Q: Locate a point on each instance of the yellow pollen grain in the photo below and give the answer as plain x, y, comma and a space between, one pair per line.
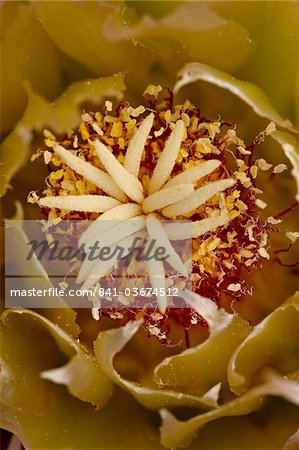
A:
159, 132
121, 143
263, 165
213, 245
243, 178
99, 118
185, 119
117, 130
153, 90
168, 116
193, 124
131, 125
204, 146
108, 105
241, 205
49, 143
135, 112
84, 132
75, 143
110, 119
47, 134
80, 185
253, 171
121, 158
47, 156
228, 264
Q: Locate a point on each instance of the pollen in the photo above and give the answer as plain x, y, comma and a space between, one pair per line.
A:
159, 162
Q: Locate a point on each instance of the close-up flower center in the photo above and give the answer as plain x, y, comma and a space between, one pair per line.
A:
165, 162
150, 181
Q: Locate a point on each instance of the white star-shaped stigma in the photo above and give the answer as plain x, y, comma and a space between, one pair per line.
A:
166, 197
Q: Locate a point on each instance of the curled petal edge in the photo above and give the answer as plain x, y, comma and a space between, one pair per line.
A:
176, 433
61, 115
264, 347
254, 97
109, 343
81, 375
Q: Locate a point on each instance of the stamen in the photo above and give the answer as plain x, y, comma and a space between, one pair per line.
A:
197, 198
136, 146
93, 174
125, 180
167, 158
166, 197
84, 203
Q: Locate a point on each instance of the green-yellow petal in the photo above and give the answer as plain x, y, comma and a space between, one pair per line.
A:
273, 64
27, 53
190, 32
109, 343
44, 415
273, 342
77, 28
81, 374
59, 116
64, 317
248, 92
180, 433
199, 368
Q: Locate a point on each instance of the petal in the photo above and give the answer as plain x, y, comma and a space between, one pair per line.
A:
85, 40
248, 92
275, 27
271, 342
192, 31
61, 115
290, 147
200, 368
44, 414
178, 433
23, 35
64, 317
111, 342
81, 375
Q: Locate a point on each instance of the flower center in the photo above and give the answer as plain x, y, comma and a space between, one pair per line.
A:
164, 162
